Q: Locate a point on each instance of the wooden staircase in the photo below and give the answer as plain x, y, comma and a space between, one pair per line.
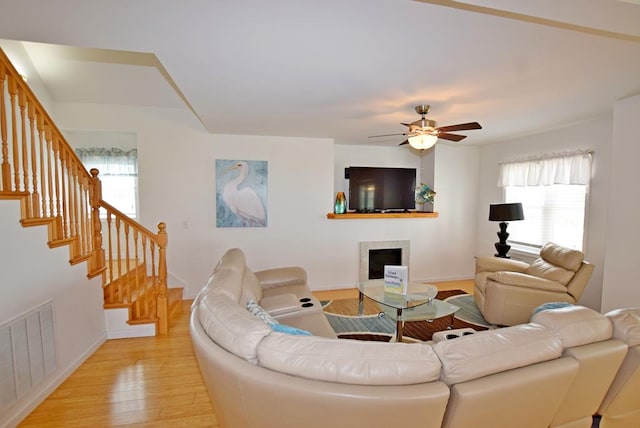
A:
39, 169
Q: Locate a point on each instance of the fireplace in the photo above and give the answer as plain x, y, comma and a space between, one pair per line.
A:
375, 254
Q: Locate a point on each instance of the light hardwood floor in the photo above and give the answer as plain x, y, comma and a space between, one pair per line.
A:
145, 382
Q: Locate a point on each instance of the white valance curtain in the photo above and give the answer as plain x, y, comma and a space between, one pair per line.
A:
113, 161
562, 168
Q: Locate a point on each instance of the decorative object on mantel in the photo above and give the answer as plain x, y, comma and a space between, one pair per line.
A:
424, 194
340, 206
504, 213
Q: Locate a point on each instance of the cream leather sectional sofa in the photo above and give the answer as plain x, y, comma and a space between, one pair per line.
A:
558, 370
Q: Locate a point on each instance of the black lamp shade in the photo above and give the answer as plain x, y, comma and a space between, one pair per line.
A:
506, 212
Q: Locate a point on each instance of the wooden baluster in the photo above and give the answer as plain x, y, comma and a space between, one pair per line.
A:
43, 182
56, 174
163, 303
110, 261
139, 291
118, 261
95, 196
47, 136
35, 195
73, 200
13, 91
64, 178
22, 103
6, 167
148, 285
55, 196
127, 261
82, 213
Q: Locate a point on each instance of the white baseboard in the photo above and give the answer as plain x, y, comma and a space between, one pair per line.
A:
26, 405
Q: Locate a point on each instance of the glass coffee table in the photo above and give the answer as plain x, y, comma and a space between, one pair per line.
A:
419, 304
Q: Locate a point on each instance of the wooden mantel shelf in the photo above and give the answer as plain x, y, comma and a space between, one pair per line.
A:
412, 214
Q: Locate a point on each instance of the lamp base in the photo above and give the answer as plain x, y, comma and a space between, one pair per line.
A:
502, 247
502, 250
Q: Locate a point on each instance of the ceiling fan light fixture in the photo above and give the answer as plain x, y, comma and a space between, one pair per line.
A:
422, 141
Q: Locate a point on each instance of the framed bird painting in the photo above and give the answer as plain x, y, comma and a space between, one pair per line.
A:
241, 193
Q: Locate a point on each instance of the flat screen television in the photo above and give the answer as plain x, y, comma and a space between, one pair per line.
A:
375, 189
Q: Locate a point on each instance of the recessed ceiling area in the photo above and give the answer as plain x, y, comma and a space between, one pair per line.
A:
341, 70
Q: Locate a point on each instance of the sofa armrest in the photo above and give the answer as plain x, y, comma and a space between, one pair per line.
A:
527, 281
279, 277
497, 264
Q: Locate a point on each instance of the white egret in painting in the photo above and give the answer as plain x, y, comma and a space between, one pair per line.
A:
243, 202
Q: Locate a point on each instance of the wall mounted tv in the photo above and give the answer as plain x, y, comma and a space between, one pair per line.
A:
376, 189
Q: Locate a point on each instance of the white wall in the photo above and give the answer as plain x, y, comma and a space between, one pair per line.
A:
33, 274
622, 270
594, 134
22, 62
176, 179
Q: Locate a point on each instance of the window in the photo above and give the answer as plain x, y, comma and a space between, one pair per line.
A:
552, 213
553, 192
118, 173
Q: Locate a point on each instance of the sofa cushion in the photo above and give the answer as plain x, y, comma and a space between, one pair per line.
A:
564, 257
349, 361
231, 326
550, 305
626, 325
575, 325
496, 351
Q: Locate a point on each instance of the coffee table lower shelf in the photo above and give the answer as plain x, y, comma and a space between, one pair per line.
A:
435, 309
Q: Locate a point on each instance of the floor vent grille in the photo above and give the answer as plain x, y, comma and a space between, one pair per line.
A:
27, 353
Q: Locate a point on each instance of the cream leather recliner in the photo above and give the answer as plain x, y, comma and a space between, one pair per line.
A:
507, 291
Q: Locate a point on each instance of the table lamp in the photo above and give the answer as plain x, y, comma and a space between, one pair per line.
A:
504, 213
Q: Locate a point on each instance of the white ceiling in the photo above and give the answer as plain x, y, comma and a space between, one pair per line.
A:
343, 69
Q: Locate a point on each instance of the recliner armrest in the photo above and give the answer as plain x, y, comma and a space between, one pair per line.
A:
279, 277
528, 281
497, 264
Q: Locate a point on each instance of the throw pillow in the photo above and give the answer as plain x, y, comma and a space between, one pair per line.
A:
550, 305
260, 313
283, 328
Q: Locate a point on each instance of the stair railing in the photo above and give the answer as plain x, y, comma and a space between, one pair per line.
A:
39, 168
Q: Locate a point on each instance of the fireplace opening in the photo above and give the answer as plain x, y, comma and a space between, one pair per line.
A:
381, 257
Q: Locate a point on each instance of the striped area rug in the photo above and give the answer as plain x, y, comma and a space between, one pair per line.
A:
343, 317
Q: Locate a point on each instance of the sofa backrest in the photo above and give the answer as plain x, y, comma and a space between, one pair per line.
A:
350, 361
586, 337
495, 351
556, 263
511, 376
231, 326
622, 401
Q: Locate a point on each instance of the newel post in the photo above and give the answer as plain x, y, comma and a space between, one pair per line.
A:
97, 261
163, 300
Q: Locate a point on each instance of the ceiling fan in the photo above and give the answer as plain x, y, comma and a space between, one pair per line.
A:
423, 133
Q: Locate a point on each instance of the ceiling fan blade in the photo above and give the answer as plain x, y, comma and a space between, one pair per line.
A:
451, 137
460, 127
385, 135
404, 142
